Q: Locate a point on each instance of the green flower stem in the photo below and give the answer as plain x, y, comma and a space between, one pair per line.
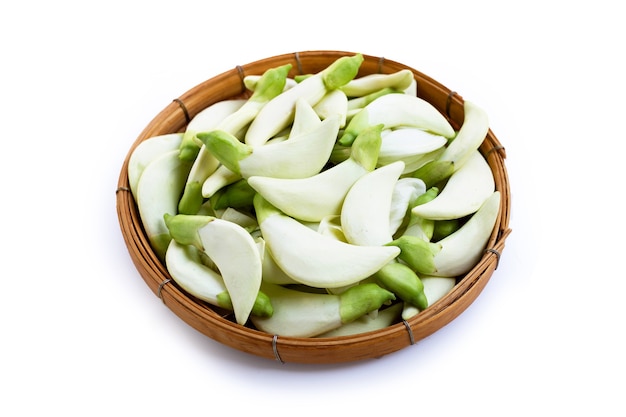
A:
366, 147
434, 172
341, 71
416, 252
262, 305
226, 148
184, 228
236, 195
361, 299
404, 282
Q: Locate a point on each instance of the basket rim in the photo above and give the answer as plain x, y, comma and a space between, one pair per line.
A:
204, 318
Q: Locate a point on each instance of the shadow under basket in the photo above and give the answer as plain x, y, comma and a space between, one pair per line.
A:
218, 324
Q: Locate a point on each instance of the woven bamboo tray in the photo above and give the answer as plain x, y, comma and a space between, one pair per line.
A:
217, 324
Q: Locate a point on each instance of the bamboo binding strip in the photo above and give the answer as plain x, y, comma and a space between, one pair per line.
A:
217, 324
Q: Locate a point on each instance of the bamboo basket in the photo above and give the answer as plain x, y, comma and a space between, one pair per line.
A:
219, 325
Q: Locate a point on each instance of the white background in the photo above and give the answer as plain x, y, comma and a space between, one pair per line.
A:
83, 335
